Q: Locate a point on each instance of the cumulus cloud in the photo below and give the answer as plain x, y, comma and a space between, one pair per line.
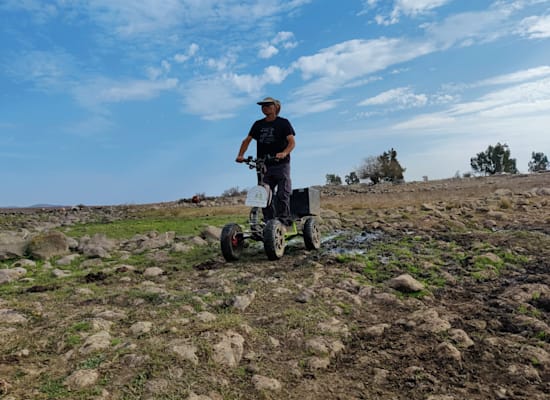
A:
536, 27
350, 63
230, 91
282, 39
267, 50
355, 58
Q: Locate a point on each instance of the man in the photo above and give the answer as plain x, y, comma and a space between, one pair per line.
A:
274, 137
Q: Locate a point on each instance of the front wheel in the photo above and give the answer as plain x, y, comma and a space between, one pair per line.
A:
232, 242
312, 235
274, 239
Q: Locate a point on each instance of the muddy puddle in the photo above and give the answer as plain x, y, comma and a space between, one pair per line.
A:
349, 242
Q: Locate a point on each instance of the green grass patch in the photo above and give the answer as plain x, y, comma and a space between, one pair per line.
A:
126, 229
53, 388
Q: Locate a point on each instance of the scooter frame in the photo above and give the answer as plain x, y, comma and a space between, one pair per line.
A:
272, 233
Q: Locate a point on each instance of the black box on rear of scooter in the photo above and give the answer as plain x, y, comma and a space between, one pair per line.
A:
306, 201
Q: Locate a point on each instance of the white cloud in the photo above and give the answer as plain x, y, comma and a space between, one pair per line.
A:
403, 97
536, 27
285, 39
468, 28
191, 51
516, 77
409, 8
267, 50
520, 99
47, 70
513, 103
282, 39
347, 63
417, 7
227, 91
102, 91
156, 72
355, 58
128, 18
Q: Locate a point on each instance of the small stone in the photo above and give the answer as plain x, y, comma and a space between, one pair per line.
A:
376, 330
406, 283
82, 378
206, 316
152, 272
448, 351
318, 362
461, 338
96, 342
8, 316
264, 383
229, 350
305, 296
139, 328
241, 303
187, 352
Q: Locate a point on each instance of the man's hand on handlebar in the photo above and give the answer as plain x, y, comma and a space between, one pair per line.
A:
240, 159
280, 155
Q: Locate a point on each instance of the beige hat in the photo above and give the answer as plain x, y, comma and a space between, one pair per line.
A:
269, 100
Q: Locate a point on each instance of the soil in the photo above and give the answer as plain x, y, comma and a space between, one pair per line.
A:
326, 324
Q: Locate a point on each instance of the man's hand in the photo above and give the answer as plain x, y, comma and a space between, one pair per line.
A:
239, 159
281, 155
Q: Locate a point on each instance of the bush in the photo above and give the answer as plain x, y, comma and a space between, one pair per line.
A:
333, 179
233, 192
384, 167
352, 178
495, 160
539, 162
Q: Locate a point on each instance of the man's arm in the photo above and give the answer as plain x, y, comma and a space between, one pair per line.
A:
244, 147
290, 146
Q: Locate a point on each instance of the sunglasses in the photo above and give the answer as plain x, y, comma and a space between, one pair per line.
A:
267, 104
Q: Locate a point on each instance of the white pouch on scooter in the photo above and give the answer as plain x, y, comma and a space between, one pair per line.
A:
258, 196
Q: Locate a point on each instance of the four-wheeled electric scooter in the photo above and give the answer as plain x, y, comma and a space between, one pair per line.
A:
304, 206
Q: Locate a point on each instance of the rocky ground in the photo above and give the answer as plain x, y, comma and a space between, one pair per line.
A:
435, 290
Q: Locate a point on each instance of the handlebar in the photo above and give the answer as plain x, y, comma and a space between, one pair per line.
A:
259, 162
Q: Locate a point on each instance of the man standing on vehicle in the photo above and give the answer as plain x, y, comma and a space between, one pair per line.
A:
274, 137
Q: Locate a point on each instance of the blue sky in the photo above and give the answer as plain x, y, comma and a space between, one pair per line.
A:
125, 102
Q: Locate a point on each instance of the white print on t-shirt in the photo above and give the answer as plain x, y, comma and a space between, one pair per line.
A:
267, 135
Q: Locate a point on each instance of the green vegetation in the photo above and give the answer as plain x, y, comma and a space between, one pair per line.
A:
496, 159
384, 167
125, 229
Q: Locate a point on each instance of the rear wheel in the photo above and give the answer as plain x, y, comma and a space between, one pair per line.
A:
312, 234
274, 239
232, 242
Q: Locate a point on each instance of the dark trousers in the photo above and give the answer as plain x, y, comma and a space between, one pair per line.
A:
278, 176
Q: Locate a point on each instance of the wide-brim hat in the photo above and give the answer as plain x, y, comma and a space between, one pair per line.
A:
269, 100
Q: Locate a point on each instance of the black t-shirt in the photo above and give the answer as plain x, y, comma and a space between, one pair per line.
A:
271, 136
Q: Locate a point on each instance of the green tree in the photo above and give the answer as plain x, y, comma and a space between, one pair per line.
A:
496, 159
333, 179
539, 162
352, 178
384, 167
